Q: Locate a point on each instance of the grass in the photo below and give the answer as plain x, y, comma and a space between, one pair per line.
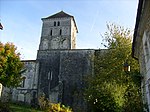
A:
22, 108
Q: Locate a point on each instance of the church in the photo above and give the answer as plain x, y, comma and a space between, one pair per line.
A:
59, 69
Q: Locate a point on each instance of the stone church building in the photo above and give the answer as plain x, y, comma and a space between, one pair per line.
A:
59, 69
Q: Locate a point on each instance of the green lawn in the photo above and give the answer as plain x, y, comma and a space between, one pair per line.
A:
17, 108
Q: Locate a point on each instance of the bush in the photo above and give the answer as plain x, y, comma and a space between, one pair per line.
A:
59, 108
47, 106
43, 102
4, 107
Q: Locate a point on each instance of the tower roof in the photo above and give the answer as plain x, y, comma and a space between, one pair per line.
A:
61, 14
58, 15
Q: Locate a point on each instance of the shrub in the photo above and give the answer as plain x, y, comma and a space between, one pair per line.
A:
4, 107
59, 108
43, 102
47, 106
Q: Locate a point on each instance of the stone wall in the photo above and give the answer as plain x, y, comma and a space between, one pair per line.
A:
26, 93
48, 71
61, 75
74, 66
141, 47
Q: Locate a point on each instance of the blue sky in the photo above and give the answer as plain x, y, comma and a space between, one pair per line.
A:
22, 20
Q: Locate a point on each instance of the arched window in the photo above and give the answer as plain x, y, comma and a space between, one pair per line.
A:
58, 24
60, 32
54, 23
51, 33
23, 82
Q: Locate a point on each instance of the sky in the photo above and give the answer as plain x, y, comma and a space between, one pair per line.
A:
22, 22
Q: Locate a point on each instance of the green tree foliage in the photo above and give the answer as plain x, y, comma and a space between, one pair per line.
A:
111, 89
10, 65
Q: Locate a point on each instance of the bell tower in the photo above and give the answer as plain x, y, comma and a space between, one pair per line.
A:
58, 35
58, 32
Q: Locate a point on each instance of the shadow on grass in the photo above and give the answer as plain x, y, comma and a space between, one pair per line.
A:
22, 108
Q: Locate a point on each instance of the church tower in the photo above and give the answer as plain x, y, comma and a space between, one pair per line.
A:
59, 69
58, 32
58, 35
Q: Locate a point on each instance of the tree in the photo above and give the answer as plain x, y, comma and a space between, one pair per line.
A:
111, 88
10, 65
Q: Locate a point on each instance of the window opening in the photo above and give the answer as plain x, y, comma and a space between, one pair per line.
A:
60, 32
23, 82
51, 33
54, 23
58, 23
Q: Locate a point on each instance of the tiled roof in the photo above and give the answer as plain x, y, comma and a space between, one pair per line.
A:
59, 15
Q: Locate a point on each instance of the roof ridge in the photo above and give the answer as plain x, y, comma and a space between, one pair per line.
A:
58, 15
